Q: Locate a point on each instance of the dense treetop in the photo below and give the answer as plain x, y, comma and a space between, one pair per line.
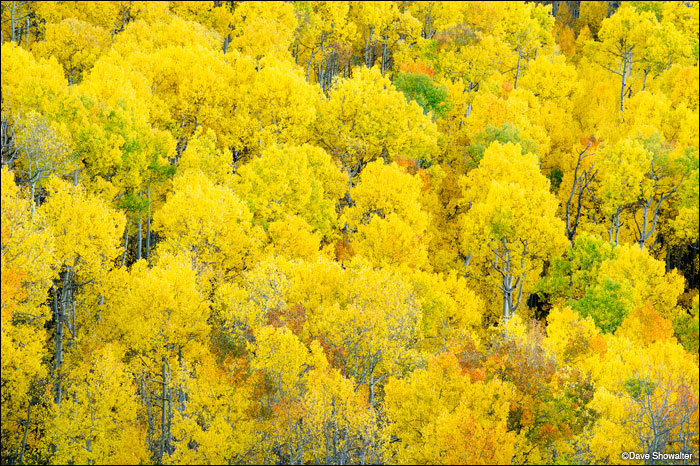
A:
349, 232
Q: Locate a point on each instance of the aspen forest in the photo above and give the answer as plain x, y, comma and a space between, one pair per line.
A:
344, 232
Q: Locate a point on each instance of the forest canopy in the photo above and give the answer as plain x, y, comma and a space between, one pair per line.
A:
349, 232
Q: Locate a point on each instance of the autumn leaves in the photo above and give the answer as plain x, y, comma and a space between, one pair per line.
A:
313, 232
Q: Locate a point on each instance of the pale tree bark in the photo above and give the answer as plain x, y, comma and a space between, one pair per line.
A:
467, 261
42, 152
663, 417
626, 64
139, 238
19, 12
385, 56
8, 139
126, 243
625, 54
503, 264
517, 72
164, 421
123, 19
469, 106
58, 351
26, 430
322, 64
368, 49
614, 229
645, 230
64, 316
146, 401
581, 182
227, 41
308, 66
148, 225
427, 31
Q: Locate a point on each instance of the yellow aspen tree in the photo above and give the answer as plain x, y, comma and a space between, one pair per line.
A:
160, 29
551, 402
87, 234
640, 174
216, 423
554, 82
511, 227
276, 104
440, 415
519, 109
571, 338
339, 423
451, 311
75, 44
157, 318
31, 87
263, 29
291, 236
467, 61
622, 39
374, 332
26, 273
365, 118
526, 28
125, 160
646, 276
214, 15
16, 21
293, 180
323, 41
220, 235
111, 16
441, 199
642, 386
40, 149
252, 302
375, 22
387, 217
98, 419
280, 355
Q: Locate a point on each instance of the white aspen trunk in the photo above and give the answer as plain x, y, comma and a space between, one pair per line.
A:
148, 225
517, 73
469, 106
162, 414
385, 56
12, 21
368, 49
622, 88
505, 299
149, 431
308, 66
643, 234
26, 429
60, 320
126, 243
139, 239
321, 65
33, 194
